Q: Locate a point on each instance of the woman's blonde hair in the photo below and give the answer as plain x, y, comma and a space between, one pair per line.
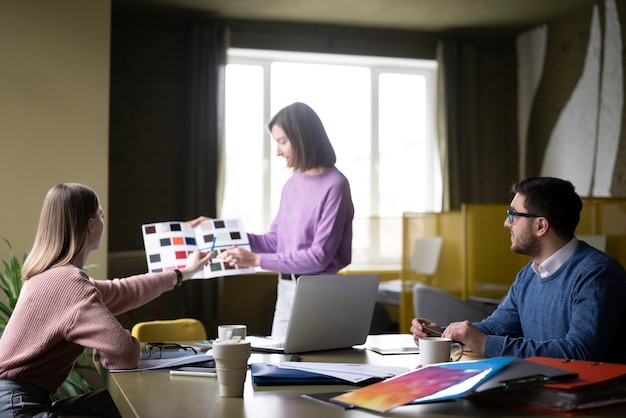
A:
62, 230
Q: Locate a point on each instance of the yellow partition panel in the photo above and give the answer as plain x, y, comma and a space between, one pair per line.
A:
451, 269
606, 216
449, 273
588, 221
491, 265
414, 225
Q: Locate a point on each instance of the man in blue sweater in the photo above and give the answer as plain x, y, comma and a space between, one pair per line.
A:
568, 302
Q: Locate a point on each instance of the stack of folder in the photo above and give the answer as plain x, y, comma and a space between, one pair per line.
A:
540, 383
582, 386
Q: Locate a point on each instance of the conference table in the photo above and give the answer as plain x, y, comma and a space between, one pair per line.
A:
156, 393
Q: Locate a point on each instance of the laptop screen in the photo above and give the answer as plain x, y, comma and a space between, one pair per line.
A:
330, 312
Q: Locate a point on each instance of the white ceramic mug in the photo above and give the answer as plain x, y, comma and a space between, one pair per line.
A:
437, 350
228, 332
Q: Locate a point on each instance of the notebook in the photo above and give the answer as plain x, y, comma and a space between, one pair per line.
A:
328, 312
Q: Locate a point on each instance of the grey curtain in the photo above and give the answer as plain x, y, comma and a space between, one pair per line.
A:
476, 122
208, 43
451, 118
445, 122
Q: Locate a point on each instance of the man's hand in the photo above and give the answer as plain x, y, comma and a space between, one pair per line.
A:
468, 334
422, 328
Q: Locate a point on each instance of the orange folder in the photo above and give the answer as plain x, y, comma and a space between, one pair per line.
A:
589, 372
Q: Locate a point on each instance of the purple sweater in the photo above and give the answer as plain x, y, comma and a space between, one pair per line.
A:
61, 311
312, 231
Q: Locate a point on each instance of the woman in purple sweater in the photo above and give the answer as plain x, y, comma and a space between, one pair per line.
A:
61, 310
312, 231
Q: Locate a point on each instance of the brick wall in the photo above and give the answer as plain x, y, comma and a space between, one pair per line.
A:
147, 122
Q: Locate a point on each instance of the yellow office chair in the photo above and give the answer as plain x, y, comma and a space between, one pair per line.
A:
183, 329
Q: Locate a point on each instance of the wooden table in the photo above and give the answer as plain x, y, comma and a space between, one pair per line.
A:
151, 394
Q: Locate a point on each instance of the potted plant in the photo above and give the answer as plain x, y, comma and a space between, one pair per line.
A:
11, 284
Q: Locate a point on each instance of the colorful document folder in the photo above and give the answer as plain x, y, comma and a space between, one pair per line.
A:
427, 384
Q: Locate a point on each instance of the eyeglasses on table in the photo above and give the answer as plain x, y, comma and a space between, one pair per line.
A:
155, 349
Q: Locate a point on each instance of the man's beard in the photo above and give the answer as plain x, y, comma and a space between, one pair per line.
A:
526, 243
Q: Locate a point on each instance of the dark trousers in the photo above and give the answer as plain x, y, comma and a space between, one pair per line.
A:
20, 400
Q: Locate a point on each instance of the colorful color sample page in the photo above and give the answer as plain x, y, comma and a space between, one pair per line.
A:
432, 383
168, 244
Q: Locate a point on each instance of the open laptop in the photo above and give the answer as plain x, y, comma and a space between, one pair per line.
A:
328, 312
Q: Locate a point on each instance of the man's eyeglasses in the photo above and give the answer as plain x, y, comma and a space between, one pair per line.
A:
154, 350
512, 214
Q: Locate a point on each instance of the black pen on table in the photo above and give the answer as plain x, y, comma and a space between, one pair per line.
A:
431, 330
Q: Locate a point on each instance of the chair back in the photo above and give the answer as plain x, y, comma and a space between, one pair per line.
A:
443, 308
183, 329
425, 256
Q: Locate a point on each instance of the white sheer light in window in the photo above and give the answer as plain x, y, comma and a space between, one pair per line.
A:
244, 193
378, 115
406, 149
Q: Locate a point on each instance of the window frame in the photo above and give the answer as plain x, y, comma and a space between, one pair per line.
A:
377, 66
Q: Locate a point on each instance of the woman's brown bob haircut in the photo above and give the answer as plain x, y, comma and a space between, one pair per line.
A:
309, 141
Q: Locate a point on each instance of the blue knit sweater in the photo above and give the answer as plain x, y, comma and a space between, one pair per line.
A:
579, 312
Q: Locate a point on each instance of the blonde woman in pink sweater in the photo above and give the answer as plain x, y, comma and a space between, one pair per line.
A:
61, 311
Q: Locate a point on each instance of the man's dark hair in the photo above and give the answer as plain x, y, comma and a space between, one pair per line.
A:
554, 199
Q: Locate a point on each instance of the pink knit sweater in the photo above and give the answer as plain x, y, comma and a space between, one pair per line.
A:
61, 311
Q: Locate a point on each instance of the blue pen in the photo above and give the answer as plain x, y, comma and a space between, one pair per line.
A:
213, 245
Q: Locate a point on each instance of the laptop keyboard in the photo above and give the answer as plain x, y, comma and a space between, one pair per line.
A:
266, 343
279, 345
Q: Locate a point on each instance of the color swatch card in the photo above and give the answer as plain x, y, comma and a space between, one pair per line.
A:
168, 244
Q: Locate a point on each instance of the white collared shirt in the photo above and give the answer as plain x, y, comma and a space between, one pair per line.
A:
556, 260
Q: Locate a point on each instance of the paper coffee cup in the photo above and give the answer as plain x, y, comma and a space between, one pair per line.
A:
231, 365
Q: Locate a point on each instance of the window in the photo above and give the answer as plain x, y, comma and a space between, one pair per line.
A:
379, 116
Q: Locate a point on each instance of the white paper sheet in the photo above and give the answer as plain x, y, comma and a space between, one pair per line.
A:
351, 372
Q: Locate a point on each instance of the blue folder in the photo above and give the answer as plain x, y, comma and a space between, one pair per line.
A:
266, 374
